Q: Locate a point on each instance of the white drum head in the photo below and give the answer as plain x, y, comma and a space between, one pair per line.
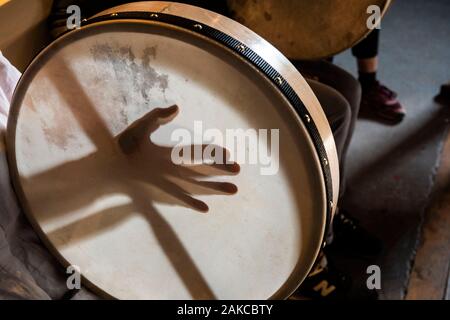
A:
127, 225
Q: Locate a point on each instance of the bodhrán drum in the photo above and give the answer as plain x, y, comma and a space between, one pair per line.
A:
90, 142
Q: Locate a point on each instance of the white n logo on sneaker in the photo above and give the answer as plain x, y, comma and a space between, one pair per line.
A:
324, 288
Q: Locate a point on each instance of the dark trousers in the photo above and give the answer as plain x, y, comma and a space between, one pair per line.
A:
368, 47
339, 93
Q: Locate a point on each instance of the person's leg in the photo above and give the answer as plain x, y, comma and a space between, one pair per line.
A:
337, 111
324, 281
377, 99
347, 232
366, 53
347, 87
341, 118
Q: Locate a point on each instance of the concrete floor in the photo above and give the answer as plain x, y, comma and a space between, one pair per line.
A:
392, 168
430, 274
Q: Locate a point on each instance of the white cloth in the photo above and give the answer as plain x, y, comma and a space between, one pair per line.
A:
9, 76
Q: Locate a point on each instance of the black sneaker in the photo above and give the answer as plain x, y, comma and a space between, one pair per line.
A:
444, 96
351, 238
324, 282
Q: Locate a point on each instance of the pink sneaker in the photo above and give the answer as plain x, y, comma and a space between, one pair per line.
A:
382, 103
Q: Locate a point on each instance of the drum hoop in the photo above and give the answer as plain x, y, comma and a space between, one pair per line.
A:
237, 48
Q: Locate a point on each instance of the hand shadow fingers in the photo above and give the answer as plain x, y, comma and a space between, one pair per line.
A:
140, 129
201, 160
180, 194
198, 187
198, 153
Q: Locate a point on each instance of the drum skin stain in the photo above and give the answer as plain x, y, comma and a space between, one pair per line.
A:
133, 75
134, 79
57, 130
59, 137
125, 65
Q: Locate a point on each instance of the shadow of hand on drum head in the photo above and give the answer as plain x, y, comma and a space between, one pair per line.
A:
133, 166
153, 164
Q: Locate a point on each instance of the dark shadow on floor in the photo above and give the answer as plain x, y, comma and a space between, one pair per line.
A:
396, 225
